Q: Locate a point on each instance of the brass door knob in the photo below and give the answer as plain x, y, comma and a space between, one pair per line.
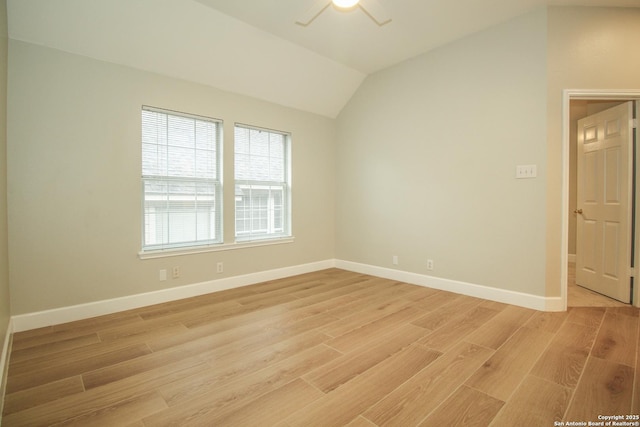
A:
578, 211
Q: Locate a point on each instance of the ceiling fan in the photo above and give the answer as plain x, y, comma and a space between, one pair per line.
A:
371, 8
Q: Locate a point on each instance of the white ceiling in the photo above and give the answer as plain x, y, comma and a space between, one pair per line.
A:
254, 47
417, 26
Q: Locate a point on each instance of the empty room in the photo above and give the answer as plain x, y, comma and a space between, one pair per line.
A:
319, 212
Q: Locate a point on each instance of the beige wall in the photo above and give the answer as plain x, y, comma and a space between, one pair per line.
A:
427, 154
427, 149
588, 48
4, 257
74, 180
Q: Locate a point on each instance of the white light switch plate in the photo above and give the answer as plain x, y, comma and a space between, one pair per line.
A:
526, 171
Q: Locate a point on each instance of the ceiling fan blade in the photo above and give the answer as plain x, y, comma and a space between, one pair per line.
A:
376, 11
312, 13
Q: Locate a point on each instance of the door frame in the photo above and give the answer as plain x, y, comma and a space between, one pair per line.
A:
589, 94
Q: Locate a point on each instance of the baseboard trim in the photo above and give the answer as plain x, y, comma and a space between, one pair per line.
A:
571, 257
4, 365
24, 322
480, 291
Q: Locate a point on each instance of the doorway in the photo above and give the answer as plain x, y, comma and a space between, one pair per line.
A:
577, 105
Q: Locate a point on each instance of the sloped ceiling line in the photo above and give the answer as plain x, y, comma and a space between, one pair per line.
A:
253, 47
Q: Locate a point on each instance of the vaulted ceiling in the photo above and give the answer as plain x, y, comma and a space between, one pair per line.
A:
254, 47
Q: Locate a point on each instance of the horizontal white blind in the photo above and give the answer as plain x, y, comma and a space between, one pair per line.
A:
262, 183
181, 180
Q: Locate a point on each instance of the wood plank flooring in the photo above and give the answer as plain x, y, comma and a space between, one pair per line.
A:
329, 348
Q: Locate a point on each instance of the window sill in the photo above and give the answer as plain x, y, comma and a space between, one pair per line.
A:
217, 248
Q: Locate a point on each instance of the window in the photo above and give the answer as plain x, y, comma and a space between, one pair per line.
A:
181, 180
262, 184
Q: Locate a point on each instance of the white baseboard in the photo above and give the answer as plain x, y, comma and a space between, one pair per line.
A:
24, 322
494, 294
571, 257
4, 365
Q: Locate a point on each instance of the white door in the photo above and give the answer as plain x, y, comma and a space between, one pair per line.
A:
605, 171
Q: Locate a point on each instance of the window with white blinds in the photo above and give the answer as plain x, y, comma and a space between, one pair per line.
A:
182, 194
262, 183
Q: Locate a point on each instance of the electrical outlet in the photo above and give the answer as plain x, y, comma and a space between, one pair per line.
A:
220, 267
162, 275
429, 264
395, 260
175, 272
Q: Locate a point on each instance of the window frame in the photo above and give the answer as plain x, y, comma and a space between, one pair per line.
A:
214, 185
268, 185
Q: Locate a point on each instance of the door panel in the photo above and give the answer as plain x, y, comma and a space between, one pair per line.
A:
590, 178
588, 247
610, 250
612, 178
603, 250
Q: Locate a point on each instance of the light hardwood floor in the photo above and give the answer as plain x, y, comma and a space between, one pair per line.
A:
329, 348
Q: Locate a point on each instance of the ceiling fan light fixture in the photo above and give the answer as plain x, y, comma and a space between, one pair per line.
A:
371, 8
345, 4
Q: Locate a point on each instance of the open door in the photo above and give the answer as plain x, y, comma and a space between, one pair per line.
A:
604, 205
